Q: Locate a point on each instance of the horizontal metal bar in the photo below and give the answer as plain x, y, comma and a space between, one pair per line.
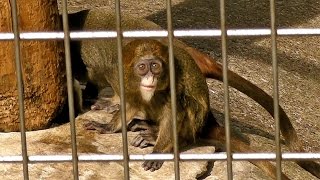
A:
50, 158
167, 157
96, 157
11, 159
162, 33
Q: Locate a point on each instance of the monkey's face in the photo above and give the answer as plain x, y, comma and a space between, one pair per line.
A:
146, 64
149, 69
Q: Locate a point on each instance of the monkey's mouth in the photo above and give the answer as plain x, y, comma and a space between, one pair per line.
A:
147, 88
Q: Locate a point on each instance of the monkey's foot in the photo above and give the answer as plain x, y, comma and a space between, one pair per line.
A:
105, 105
152, 165
112, 108
138, 124
144, 139
100, 127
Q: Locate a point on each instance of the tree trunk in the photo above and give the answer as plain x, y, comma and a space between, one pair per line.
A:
42, 63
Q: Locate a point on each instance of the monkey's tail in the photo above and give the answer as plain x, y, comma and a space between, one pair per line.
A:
211, 69
216, 137
310, 166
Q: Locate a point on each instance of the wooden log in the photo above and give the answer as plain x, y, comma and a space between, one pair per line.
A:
42, 63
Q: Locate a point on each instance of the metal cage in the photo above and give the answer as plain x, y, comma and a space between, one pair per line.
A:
223, 32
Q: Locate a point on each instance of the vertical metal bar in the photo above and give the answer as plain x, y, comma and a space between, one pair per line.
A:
15, 27
226, 87
70, 89
173, 92
122, 92
275, 85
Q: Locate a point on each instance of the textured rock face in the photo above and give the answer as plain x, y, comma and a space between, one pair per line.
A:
56, 141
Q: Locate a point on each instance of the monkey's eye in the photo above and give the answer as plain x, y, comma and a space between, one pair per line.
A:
156, 68
154, 65
141, 69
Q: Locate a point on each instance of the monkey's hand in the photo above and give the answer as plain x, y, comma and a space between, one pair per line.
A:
148, 131
152, 165
100, 127
144, 139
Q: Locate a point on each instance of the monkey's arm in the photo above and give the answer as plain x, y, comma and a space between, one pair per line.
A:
163, 142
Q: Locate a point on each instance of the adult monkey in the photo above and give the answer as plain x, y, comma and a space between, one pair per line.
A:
104, 20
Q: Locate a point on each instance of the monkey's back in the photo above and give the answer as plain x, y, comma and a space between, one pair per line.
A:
194, 95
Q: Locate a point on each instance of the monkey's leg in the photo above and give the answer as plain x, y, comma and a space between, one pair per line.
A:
107, 100
100, 127
217, 138
104, 128
100, 104
115, 124
140, 124
106, 105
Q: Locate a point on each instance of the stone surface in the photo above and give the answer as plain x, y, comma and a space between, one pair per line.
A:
56, 141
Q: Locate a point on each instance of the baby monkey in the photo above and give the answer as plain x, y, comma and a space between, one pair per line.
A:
99, 57
147, 91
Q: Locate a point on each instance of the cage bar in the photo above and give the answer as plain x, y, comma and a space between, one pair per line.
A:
173, 91
275, 87
74, 35
122, 91
226, 88
70, 89
15, 27
168, 157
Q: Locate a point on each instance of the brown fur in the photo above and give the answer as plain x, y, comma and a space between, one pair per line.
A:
98, 53
208, 66
192, 97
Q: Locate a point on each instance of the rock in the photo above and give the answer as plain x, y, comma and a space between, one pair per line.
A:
56, 141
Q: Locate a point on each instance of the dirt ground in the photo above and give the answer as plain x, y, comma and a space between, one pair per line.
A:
298, 57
